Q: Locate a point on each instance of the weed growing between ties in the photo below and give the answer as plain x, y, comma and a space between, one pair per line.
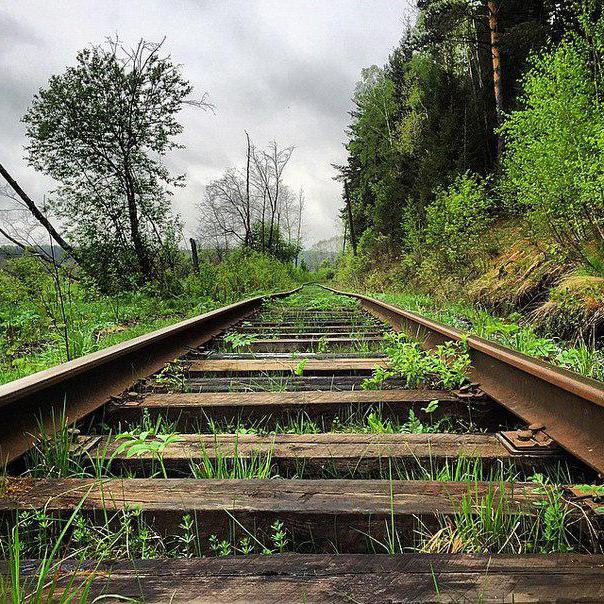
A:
234, 465
144, 450
20, 585
53, 539
483, 524
53, 453
444, 367
491, 524
172, 378
354, 419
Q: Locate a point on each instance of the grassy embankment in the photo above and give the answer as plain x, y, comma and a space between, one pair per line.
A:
48, 318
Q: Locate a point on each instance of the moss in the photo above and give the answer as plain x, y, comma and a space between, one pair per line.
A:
574, 308
518, 277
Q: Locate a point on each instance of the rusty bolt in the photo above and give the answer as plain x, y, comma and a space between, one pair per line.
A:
132, 394
536, 427
524, 434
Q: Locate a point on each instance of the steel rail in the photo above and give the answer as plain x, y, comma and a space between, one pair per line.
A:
79, 387
570, 407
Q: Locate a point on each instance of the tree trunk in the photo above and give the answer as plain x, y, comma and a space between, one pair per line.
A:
139, 247
353, 239
38, 215
497, 86
299, 233
248, 234
194, 255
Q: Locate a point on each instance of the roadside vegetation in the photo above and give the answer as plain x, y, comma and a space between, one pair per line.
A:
49, 317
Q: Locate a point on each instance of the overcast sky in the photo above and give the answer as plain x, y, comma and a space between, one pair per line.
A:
282, 69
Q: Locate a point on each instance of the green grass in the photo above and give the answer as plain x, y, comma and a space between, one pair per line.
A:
444, 367
311, 298
27, 539
512, 331
354, 419
40, 328
491, 524
233, 466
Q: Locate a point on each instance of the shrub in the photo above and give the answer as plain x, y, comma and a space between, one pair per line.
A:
554, 159
444, 367
456, 222
575, 307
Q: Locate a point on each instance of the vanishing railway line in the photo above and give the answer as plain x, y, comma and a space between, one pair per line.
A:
237, 456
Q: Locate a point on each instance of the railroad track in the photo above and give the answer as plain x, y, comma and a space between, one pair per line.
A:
238, 457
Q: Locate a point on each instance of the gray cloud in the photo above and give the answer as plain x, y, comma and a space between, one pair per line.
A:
283, 70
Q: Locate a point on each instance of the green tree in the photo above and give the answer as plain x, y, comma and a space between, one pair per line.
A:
456, 226
554, 164
101, 129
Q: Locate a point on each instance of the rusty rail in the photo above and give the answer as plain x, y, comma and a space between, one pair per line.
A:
570, 407
81, 386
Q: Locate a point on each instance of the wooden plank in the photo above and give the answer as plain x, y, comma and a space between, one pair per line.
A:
310, 329
288, 497
287, 382
341, 579
260, 365
309, 341
314, 335
217, 400
312, 323
313, 447
305, 312
225, 400
309, 344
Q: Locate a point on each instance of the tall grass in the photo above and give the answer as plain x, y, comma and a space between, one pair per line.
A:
512, 331
232, 465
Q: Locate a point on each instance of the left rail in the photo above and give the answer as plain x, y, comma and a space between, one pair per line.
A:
79, 387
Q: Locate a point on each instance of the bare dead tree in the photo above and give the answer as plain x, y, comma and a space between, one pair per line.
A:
241, 206
301, 203
269, 166
230, 207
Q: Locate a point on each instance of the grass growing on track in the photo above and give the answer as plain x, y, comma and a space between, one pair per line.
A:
485, 525
512, 331
446, 366
311, 298
355, 419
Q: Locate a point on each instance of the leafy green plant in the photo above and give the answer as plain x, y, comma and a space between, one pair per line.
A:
444, 367
54, 453
147, 442
553, 159
237, 341
299, 369
279, 536
173, 378
456, 223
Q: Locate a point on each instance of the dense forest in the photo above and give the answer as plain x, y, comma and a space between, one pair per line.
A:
475, 161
